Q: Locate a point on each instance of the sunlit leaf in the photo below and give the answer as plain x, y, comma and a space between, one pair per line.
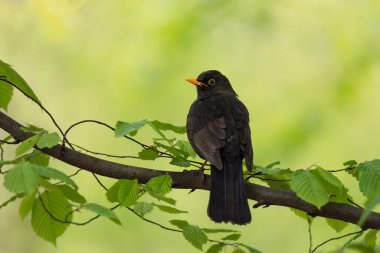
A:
232, 237
160, 185
215, 248
48, 140
23, 178
195, 236
337, 225
7, 72
26, 205
6, 92
186, 147
43, 222
126, 128
55, 174
26, 145
370, 238
179, 223
307, 186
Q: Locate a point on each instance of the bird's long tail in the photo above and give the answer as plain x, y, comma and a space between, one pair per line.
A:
228, 201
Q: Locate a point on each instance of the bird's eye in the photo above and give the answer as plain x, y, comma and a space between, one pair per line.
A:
211, 82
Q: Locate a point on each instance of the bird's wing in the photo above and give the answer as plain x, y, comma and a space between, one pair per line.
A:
208, 140
241, 117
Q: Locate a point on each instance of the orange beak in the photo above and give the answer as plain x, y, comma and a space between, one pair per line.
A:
194, 81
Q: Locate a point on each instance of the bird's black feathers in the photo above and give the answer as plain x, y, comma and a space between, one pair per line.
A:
218, 130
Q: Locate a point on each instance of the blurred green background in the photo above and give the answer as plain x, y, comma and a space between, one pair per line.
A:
308, 71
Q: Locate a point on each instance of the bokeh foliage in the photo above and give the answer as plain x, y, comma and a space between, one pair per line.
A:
307, 71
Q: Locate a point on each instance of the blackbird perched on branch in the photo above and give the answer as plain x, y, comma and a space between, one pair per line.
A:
218, 130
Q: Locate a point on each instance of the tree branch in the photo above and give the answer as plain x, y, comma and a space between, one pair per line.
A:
192, 180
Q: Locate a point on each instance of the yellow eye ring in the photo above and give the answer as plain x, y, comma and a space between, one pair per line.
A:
211, 82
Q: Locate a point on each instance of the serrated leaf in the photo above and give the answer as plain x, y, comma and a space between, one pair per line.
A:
181, 162
167, 126
48, 140
102, 211
179, 223
169, 209
42, 222
299, 213
329, 177
307, 186
148, 154
124, 191
160, 185
11, 75
186, 147
170, 201
232, 237
337, 225
126, 128
218, 230
26, 145
128, 192
72, 194
195, 236
23, 178
370, 238
369, 177
55, 174
143, 208
26, 205
6, 92
215, 248
284, 177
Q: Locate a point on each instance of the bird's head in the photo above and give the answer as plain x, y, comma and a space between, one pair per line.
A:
211, 82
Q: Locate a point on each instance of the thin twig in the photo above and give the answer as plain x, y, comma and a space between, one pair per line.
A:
355, 204
13, 198
38, 103
104, 154
348, 168
335, 238
100, 183
310, 234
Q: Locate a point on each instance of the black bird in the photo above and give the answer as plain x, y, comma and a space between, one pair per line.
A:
218, 130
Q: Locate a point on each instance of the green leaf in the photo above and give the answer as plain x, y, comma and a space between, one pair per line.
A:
232, 237
48, 140
337, 225
169, 209
181, 162
26, 145
186, 147
148, 154
195, 236
307, 186
251, 249
11, 75
174, 151
143, 208
167, 126
369, 207
102, 211
271, 165
179, 223
23, 178
6, 92
160, 185
218, 230
370, 238
37, 157
369, 177
26, 205
274, 173
43, 223
350, 163
55, 174
71, 194
170, 201
126, 128
215, 248
329, 177
299, 213
238, 250
124, 191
